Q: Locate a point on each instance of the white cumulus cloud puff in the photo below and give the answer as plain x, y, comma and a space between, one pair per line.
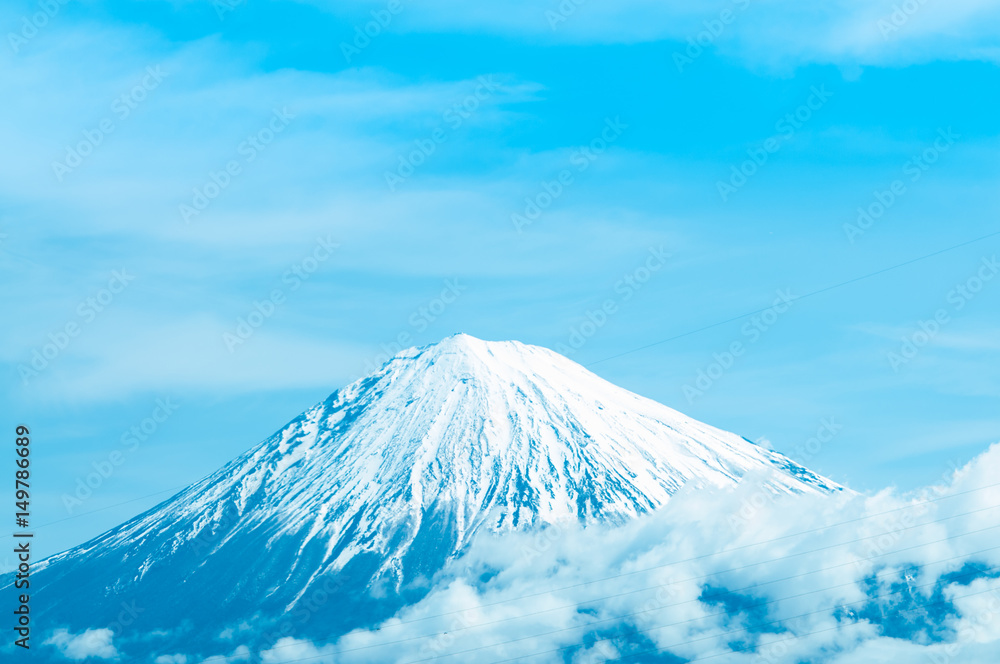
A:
91, 643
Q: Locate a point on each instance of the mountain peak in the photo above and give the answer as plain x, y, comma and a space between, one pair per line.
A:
469, 346
392, 476
463, 340
462, 356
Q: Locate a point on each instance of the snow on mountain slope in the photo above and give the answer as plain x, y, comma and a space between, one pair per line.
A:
388, 478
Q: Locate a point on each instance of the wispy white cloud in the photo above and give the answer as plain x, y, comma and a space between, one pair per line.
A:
171, 659
92, 643
757, 31
125, 195
290, 649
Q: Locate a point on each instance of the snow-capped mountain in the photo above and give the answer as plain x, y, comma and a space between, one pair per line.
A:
370, 492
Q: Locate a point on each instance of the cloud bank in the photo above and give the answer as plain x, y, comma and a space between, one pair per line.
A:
734, 576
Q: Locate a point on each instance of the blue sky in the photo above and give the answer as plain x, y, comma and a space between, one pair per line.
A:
380, 197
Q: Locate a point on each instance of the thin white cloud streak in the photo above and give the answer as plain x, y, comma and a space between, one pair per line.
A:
348, 127
768, 32
320, 178
190, 355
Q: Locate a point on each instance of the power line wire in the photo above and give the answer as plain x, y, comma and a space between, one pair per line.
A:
825, 289
102, 509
